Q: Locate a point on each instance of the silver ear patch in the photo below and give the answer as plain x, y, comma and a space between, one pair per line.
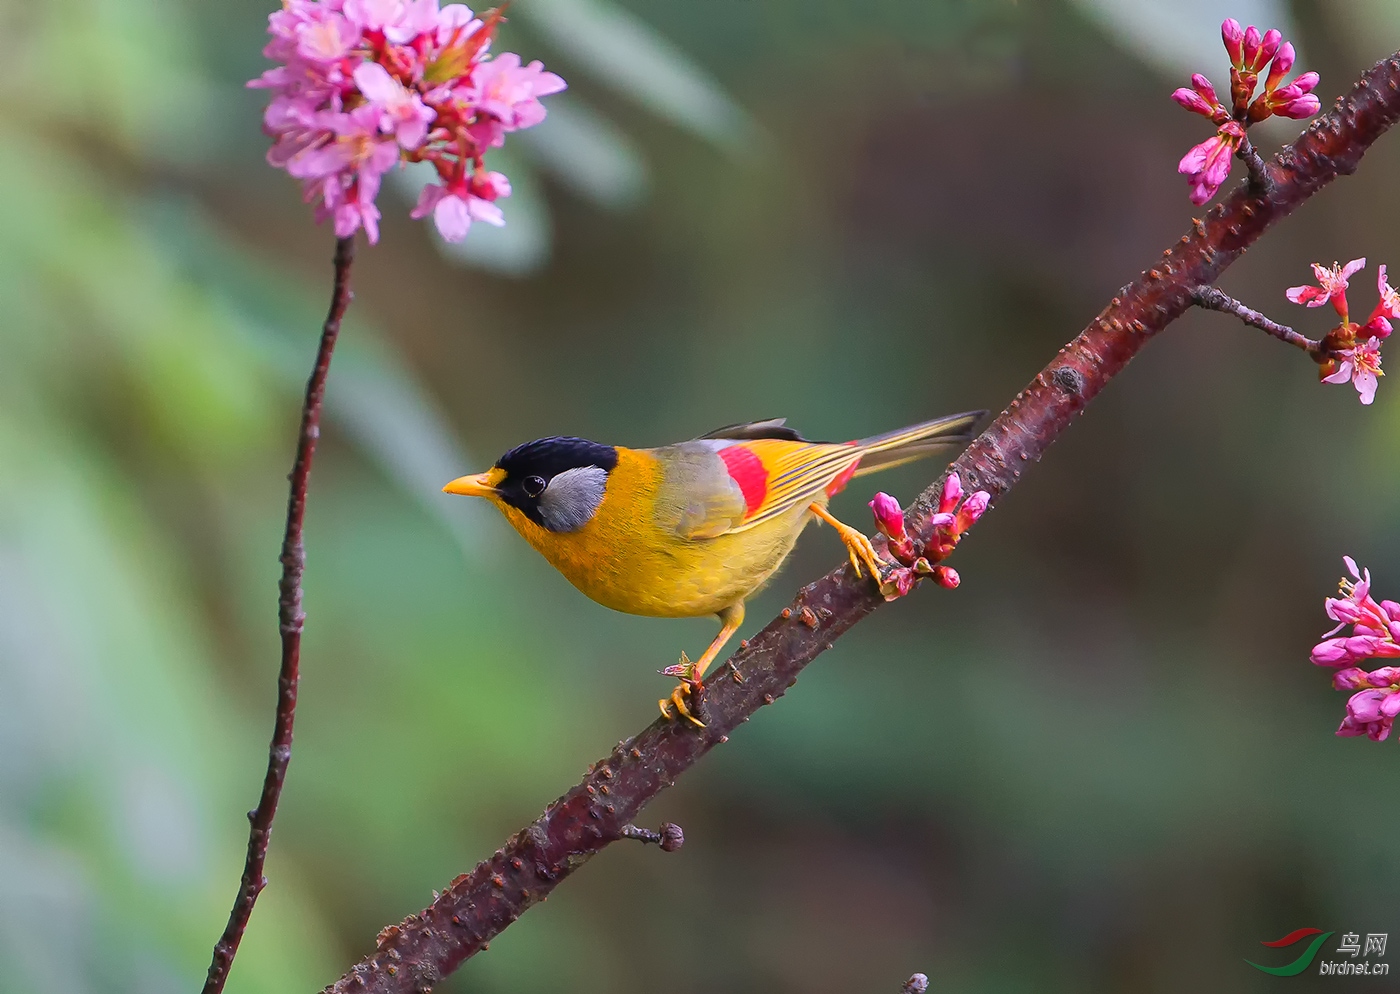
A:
572, 497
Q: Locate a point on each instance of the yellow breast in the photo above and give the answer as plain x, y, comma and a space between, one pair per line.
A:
622, 559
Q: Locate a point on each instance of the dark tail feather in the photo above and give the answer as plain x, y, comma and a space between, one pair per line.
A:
918, 441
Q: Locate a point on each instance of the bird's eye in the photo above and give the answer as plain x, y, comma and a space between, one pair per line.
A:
533, 486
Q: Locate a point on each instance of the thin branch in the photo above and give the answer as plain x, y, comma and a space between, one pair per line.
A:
1215, 299
1261, 183
290, 619
414, 956
669, 837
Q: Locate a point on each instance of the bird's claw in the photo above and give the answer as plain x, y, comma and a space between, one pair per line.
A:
862, 551
689, 684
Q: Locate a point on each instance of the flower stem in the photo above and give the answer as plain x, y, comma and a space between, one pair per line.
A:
1214, 299
290, 619
1261, 183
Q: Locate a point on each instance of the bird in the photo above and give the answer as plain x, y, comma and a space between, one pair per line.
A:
694, 528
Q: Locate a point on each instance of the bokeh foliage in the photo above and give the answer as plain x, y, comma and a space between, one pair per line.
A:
1102, 764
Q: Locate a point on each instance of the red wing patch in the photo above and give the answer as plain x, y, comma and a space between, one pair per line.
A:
842, 478
747, 470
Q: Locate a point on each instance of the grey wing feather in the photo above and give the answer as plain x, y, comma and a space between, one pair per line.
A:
699, 499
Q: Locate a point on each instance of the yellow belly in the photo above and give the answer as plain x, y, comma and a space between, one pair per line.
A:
632, 566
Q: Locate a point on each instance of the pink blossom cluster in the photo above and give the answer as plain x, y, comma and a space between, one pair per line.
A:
1375, 629
953, 517
1207, 165
1357, 347
363, 85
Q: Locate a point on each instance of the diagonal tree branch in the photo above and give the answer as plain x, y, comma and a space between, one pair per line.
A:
475, 907
290, 619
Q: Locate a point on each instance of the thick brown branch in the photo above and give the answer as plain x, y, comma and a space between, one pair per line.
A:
1215, 299
414, 956
290, 619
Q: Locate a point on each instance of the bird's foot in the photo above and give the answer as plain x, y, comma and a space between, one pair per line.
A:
860, 549
689, 686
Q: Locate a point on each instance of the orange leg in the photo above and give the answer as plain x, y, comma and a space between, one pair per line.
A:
857, 545
692, 674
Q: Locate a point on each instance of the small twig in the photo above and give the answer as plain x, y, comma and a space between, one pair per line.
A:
290, 619
1214, 299
669, 838
917, 984
1261, 183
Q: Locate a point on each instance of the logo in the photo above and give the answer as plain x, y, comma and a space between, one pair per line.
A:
1360, 963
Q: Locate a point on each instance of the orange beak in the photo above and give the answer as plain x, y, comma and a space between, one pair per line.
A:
480, 485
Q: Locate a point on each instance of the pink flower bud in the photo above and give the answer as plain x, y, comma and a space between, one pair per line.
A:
972, 509
1233, 35
1386, 676
889, 517
1250, 47
1392, 609
1201, 98
1351, 678
1301, 108
1267, 48
1330, 652
1283, 62
946, 576
1366, 706
942, 519
1203, 86
952, 493
1192, 101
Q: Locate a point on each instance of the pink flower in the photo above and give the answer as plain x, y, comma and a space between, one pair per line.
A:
1332, 285
1207, 165
1375, 626
374, 15
325, 38
404, 114
1375, 629
1361, 364
1387, 308
510, 92
455, 207
418, 86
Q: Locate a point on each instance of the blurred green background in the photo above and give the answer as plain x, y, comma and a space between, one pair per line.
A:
1103, 764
